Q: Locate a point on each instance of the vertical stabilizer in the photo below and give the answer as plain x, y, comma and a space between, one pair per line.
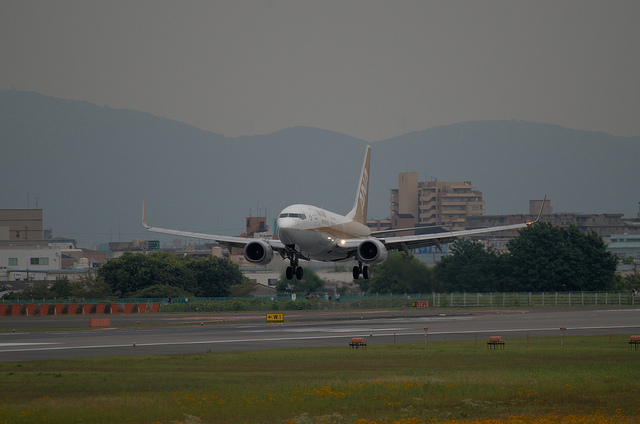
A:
359, 211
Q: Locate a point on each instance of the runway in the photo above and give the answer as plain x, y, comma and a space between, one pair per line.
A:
36, 338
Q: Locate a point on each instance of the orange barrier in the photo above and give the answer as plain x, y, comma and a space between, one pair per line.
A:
99, 322
32, 309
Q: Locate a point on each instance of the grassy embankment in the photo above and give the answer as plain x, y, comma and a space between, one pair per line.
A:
588, 381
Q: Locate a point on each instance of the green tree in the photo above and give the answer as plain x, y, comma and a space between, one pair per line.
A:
214, 276
399, 274
62, 288
626, 283
37, 290
174, 270
471, 268
243, 289
91, 288
131, 273
547, 258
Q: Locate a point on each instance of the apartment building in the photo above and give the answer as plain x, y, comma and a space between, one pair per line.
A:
21, 227
445, 204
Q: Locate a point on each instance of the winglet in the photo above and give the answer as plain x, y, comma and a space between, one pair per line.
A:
144, 216
541, 209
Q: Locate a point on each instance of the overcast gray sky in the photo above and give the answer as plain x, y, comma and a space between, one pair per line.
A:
370, 69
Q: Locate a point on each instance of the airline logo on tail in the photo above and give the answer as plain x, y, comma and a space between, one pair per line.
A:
359, 212
362, 196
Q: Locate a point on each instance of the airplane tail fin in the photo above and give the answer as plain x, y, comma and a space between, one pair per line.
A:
144, 216
359, 211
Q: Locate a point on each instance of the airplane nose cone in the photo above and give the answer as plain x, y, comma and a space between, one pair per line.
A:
285, 230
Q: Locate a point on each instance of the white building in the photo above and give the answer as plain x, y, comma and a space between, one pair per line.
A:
624, 245
30, 263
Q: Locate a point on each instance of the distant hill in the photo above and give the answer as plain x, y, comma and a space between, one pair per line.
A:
90, 166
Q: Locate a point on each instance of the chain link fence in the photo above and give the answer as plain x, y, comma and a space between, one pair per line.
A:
372, 301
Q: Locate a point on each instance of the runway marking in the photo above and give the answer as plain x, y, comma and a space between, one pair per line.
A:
327, 330
619, 310
368, 330
514, 330
23, 344
174, 343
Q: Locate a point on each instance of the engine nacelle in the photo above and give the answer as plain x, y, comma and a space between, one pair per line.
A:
258, 252
372, 251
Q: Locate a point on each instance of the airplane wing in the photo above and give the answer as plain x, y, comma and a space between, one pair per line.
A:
406, 243
230, 241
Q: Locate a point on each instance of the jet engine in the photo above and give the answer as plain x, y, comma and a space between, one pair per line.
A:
372, 251
258, 252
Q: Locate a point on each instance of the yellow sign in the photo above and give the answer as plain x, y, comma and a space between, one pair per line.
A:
275, 317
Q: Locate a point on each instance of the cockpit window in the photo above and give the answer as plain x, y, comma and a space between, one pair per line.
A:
293, 215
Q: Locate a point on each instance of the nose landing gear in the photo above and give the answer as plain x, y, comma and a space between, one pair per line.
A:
294, 269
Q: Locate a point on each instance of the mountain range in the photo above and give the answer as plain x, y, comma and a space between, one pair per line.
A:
89, 167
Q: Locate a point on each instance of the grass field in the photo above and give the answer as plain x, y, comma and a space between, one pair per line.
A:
590, 380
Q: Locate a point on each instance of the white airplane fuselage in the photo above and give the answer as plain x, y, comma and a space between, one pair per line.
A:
316, 232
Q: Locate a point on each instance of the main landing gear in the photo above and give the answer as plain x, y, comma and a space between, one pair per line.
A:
294, 269
360, 270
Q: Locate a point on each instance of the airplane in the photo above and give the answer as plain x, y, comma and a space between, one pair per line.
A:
307, 232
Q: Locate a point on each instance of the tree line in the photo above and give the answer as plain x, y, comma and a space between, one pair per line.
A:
540, 258
158, 275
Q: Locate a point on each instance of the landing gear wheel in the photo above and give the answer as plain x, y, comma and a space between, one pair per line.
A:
360, 270
299, 273
356, 272
289, 272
